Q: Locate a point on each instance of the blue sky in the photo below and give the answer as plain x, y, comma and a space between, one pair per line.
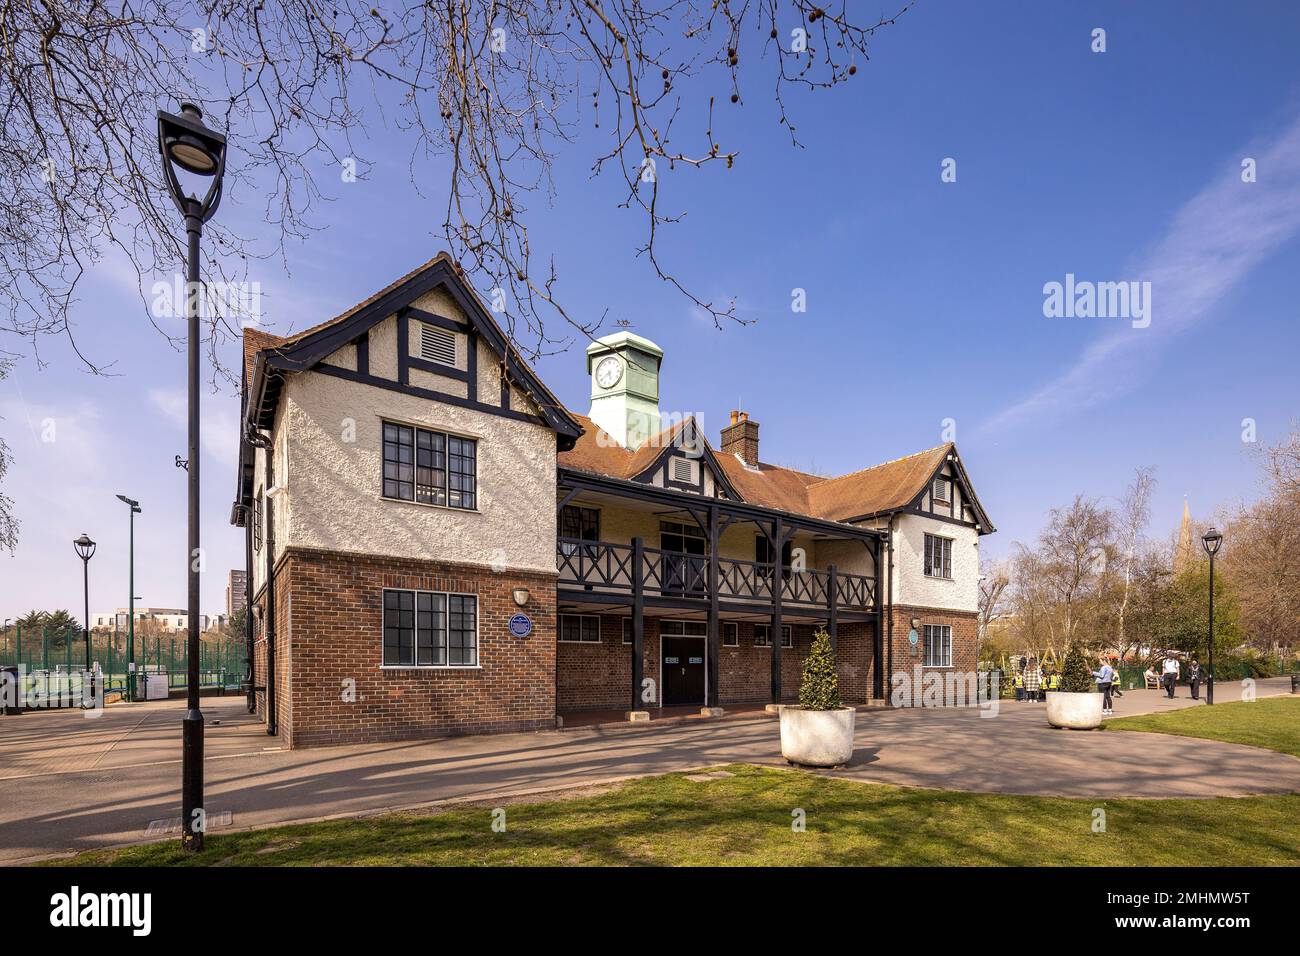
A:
925, 298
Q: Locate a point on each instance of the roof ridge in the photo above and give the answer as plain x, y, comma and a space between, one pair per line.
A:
892, 461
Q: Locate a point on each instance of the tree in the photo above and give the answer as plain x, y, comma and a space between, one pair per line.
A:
1076, 676
992, 606
1075, 552
490, 91
8, 520
1134, 513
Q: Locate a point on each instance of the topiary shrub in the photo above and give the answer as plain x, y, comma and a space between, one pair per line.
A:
1076, 676
820, 687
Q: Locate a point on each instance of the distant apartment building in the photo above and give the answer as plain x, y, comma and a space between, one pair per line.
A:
168, 619
236, 592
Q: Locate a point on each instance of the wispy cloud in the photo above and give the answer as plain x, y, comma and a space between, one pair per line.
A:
219, 428
1214, 241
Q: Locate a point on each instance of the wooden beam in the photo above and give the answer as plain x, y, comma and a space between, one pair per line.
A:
778, 585
363, 354
638, 624
713, 639
403, 348
833, 600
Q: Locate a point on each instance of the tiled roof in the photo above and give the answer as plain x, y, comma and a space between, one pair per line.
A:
881, 488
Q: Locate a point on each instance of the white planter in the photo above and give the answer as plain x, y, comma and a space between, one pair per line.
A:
1072, 710
817, 738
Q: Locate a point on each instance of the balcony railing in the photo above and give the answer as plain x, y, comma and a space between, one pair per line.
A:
607, 567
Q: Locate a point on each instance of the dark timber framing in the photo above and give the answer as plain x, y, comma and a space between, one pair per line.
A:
715, 515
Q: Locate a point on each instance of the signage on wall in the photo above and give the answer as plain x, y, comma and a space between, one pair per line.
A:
521, 625
912, 639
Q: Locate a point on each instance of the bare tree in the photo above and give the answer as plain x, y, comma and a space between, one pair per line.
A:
1131, 521
1075, 551
491, 88
992, 606
8, 520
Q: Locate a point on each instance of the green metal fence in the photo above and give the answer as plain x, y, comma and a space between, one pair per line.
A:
222, 659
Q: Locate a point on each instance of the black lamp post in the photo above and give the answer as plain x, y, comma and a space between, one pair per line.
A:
1211, 541
130, 604
186, 143
86, 550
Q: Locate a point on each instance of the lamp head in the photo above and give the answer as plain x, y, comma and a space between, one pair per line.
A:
1212, 541
85, 547
135, 505
187, 144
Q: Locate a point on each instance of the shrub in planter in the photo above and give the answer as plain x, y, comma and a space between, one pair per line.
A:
1076, 705
819, 732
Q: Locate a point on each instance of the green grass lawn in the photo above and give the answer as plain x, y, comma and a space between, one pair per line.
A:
1269, 722
746, 820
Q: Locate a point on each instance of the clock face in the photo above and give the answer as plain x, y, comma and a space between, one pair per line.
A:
608, 371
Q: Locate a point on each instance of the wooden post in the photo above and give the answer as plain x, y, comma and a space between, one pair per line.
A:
833, 602
778, 585
713, 640
638, 622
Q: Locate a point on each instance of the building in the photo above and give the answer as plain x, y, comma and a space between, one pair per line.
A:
236, 592
439, 546
169, 620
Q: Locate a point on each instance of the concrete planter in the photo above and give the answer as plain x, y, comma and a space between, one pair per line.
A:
1074, 711
817, 738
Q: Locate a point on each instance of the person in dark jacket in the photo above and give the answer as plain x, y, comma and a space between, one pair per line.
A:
1194, 678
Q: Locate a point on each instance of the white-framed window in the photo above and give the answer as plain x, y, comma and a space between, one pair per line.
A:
437, 345
763, 635
429, 629
730, 634
938, 556
579, 629
938, 645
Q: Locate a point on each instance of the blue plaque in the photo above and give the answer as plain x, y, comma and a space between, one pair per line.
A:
521, 625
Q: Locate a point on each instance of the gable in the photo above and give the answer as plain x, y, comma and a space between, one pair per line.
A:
427, 335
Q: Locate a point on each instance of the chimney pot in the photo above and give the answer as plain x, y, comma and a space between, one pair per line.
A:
741, 438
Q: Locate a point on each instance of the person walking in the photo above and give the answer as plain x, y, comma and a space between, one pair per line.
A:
1033, 681
1194, 678
1105, 677
1117, 688
1170, 674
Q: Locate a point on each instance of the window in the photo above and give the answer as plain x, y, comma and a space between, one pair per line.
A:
257, 522
938, 645
730, 634
430, 629
763, 635
437, 345
627, 630
938, 556
940, 490
683, 628
580, 523
685, 470
763, 555
579, 629
432, 468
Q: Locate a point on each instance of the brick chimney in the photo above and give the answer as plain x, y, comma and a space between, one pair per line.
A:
741, 438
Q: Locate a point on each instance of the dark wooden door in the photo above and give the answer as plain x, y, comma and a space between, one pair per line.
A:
683, 671
686, 569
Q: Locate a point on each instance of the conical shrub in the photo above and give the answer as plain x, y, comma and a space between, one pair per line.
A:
820, 687
1076, 677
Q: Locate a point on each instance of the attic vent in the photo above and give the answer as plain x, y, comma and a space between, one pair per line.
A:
684, 469
940, 490
437, 345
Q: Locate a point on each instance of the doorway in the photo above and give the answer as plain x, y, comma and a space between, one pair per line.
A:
683, 648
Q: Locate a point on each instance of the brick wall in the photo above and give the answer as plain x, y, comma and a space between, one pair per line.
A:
337, 691
283, 700
592, 676
905, 659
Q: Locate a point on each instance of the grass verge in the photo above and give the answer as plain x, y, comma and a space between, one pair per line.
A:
748, 819
1269, 722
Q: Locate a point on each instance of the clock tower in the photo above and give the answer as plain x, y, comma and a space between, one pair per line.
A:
625, 387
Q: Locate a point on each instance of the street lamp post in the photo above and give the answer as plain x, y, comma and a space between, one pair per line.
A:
186, 143
86, 550
130, 604
1211, 541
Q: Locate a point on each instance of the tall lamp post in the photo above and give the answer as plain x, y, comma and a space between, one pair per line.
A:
86, 550
186, 143
1211, 541
130, 604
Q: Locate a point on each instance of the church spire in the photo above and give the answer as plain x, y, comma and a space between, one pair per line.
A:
1184, 554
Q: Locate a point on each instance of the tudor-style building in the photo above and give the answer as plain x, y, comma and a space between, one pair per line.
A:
436, 545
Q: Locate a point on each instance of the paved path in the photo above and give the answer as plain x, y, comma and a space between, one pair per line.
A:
69, 783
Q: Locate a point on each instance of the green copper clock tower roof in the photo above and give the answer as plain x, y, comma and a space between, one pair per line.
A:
624, 369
